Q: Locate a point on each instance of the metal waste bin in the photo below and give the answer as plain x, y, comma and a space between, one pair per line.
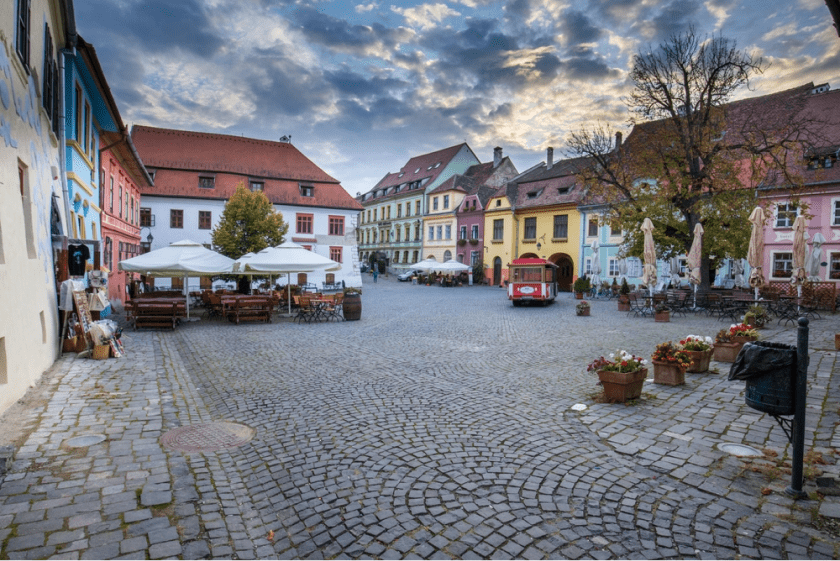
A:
769, 370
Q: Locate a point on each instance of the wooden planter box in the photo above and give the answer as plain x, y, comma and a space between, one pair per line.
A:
727, 352
578, 295
662, 317
699, 360
623, 303
621, 386
668, 374
583, 312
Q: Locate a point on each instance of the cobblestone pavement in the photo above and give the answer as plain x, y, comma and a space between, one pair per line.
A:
438, 426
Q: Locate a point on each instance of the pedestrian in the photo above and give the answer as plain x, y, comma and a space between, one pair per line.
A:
375, 273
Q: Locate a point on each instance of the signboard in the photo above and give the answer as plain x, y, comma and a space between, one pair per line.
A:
81, 301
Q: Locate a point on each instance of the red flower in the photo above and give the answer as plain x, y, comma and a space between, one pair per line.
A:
623, 363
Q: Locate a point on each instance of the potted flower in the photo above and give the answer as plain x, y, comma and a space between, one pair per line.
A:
661, 312
624, 296
473, 241
670, 362
742, 333
462, 242
582, 308
622, 376
700, 350
756, 316
726, 350
581, 285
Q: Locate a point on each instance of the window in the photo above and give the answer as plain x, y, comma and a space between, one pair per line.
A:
782, 265
431, 232
417, 207
49, 99
407, 209
834, 266
475, 231
375, 214
440, 232
399, 211
176, 218
593, 226
612, 267
146, 217
561, 226
498, 229
109, 253
257, 186
204, 219
335, 254
446, 201
307, 191
112, 193
78, 114
206, 182
835, 213
588, 266
22, 39
86, 125
389, 211
448, 232
530, 228
336, 225
463, 233
498, 202
615, 229
785, 215
474, 257
435, 203
304, 223
417, 233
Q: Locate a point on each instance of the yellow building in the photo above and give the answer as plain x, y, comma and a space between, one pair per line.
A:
536, 216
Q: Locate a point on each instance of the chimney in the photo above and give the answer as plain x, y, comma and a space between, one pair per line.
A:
497, 156
617, 141
549, 158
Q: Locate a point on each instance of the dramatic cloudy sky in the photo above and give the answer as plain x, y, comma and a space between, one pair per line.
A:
361, 87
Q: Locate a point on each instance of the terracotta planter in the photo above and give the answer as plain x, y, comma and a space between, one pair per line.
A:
578, 295
584, 312
727, 352
621, 386
742, 340
662, 317
623, 303
699, 360
668, 374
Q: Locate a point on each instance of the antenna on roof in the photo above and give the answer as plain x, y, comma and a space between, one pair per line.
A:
286, 138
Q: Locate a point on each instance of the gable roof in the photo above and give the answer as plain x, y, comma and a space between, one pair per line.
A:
425, 169
179, 157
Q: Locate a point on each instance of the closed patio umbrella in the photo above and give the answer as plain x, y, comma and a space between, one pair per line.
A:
695, 259
595, 280
755, 253
622, 269
815, 258
649, 273
798, 274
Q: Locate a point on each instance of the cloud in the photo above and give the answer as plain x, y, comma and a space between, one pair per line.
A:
425, 16
363, 8
577, 28
340, 35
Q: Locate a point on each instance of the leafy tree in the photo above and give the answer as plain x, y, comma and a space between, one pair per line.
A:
249, 223
693, 156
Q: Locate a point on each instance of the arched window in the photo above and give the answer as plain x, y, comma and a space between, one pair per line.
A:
447, 255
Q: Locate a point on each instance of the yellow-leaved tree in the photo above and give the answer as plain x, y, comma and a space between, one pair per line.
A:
249, 223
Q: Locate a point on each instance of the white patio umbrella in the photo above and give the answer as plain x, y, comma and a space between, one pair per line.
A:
595, 280
451, 267
674, 268
622, 269
185, 258
798, 275
814, 262
695, 258
755, 253
287, 258
649, 273
427, 264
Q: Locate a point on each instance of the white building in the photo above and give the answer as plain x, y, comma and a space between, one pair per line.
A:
33, 211
196, 173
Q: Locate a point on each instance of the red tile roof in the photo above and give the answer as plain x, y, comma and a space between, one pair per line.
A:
556, 186
425, 168
179, 157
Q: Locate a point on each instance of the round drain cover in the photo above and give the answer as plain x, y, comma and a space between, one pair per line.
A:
208, 437
85, 440
739, 450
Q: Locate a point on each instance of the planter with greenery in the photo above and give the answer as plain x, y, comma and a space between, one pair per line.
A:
582, 308
669, 364
662, 313
756, 316
700, 350
580, 286
622, 376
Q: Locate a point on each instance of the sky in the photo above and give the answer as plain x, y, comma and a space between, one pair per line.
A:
361, 87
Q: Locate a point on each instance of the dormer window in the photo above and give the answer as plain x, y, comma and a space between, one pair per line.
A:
417, 170
535, 194
563, 190
437, 165
307, 191
401, 174
206, 182
257, 186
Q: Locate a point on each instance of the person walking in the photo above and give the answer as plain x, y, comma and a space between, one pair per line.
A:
375, 273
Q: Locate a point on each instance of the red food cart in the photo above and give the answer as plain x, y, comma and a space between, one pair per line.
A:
532, 280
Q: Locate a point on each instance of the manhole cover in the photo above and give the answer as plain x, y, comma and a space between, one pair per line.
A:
85, 440
208, 437
739, 450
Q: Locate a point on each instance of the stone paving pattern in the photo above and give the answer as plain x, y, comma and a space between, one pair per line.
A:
439, 426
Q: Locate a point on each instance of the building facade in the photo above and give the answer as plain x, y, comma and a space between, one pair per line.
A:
33, 213
194, 175
392, 222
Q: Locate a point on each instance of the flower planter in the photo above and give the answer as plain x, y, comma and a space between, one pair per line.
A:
583, 312
662, 317
741, 339
621, 386
668, 374
623, 303
578, 295
699, 360
727, 352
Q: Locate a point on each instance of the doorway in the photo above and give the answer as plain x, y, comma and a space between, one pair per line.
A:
565, 271
497, 271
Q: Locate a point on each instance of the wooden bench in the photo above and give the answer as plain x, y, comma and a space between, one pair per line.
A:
156, 314
250, 309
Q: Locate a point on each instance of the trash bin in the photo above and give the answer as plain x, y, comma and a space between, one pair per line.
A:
769, 370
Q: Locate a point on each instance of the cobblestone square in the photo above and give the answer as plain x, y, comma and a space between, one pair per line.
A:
437, 426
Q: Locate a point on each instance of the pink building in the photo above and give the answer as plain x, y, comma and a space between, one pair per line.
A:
818, 197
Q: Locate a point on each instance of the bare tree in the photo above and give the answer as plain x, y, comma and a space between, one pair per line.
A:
694, 156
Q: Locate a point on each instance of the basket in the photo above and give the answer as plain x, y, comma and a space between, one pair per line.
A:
101, 352
69, 345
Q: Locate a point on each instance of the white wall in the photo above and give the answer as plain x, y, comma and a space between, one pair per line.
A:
163, 235
29, 324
